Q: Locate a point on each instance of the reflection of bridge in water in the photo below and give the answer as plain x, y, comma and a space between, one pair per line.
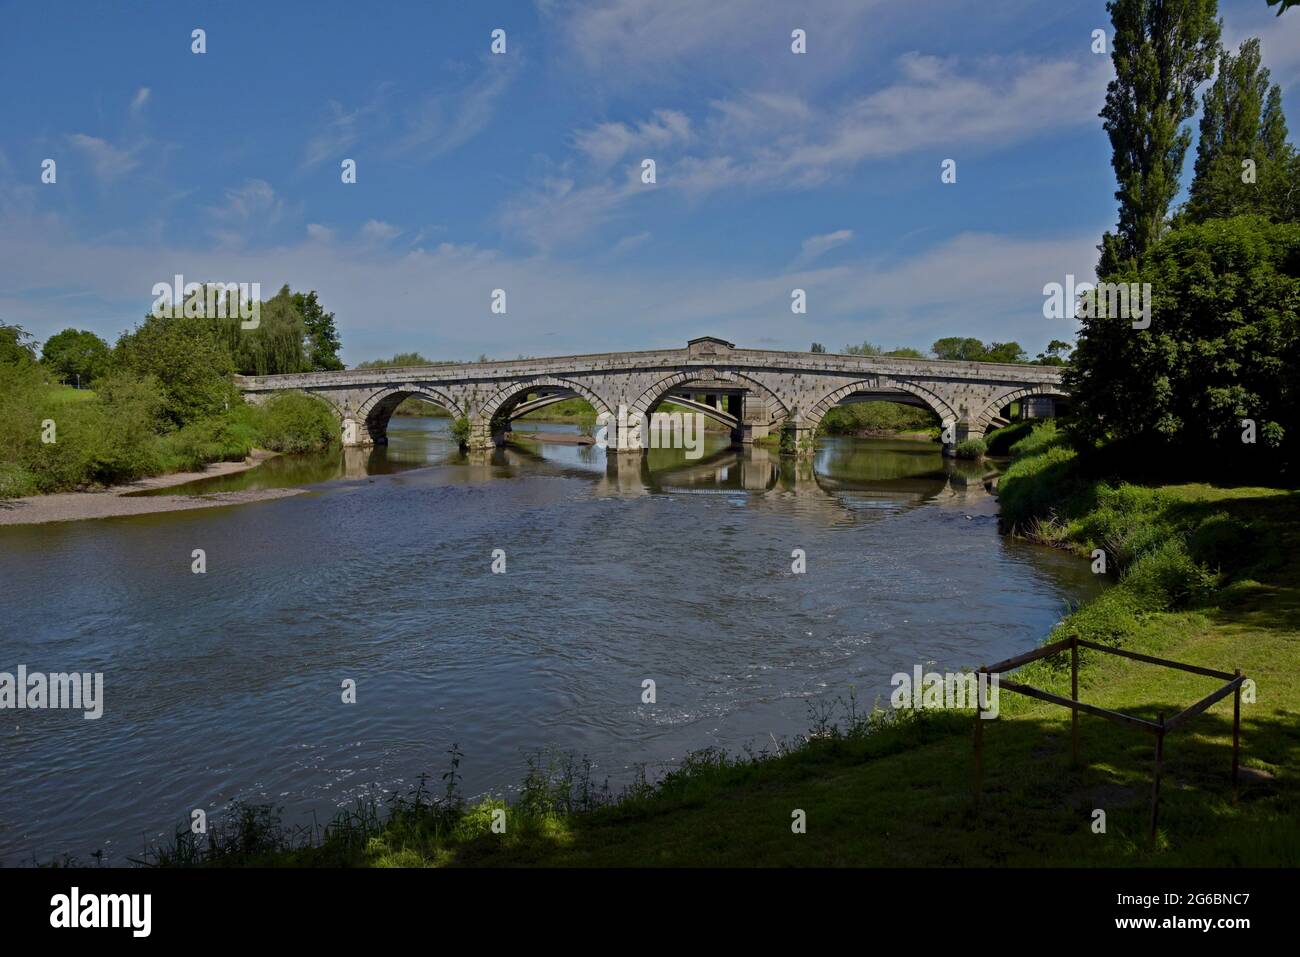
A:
757, 473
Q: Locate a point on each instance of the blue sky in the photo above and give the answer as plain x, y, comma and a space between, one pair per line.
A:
522, 171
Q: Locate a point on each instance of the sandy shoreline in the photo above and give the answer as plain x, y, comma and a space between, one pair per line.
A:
113, 502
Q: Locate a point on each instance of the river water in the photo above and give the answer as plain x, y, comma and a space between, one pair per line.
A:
226, 685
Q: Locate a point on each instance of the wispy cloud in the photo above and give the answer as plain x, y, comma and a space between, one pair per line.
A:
139, 100
608, 142
816, 246
108, 161
776, 141
442, 122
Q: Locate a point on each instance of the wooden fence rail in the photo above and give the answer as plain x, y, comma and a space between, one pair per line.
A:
1160, 727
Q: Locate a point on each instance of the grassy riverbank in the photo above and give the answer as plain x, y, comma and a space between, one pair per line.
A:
1207, 575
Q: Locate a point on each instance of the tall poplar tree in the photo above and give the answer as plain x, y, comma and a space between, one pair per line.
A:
1242, 146
1162, 51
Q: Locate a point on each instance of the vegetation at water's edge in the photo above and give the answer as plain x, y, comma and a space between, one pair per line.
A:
122, 431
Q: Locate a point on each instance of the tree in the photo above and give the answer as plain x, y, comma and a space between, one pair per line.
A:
1012, 352
1223, 346
1284, 4
906, 352
277, 345
1057, 353
75, 354
1162, 51
958, 349
323, 346
1242, 145
817, 347
866, 349
404, 359
188, 358
16, 346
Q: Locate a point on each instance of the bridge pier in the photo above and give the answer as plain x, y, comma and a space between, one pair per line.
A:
962, 432
482, 437
754, 418
798, 438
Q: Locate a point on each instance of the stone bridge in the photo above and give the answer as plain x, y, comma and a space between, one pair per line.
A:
751, 391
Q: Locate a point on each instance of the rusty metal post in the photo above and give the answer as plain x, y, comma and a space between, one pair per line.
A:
1074, 696
1236, 737
1155, 786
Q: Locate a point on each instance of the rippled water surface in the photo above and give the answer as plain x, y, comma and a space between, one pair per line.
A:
226, 685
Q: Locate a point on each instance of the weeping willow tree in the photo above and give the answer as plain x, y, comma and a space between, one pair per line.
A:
277, 345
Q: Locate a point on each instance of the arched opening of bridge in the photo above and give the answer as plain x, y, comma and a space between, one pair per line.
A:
560, 409
881, 414
400, 409
723, 406
553, 413
1023, 406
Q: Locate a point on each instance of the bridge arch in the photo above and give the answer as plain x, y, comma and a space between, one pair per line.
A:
658, 392
813, 417
984, 421
375, 411
509, 396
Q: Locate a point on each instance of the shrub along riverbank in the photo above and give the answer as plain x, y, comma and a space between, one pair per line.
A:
1205, 575
54, 438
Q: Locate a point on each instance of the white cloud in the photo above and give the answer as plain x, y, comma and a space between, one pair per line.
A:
815, 246
779, 141
108, 161
377, 231
139, 100
632, 42
606, 143
437, 301
442, 122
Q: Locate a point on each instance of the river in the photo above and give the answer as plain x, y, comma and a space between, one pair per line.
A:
227, 685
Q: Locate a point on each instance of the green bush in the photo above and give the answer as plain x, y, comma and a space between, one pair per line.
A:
295, 422
460, 431
1109, 619
1167, 577
1035, 486
999, 441
877, 417
971, 449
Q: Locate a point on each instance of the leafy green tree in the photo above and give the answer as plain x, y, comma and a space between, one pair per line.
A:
865, 349
404, 359
16, 346
958, 349
277, 345
1222, 347
190, 361
76, 355
1012, 352
323, 338
1057, 353
1162, 51
906, 352
817, 347
1242, 146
